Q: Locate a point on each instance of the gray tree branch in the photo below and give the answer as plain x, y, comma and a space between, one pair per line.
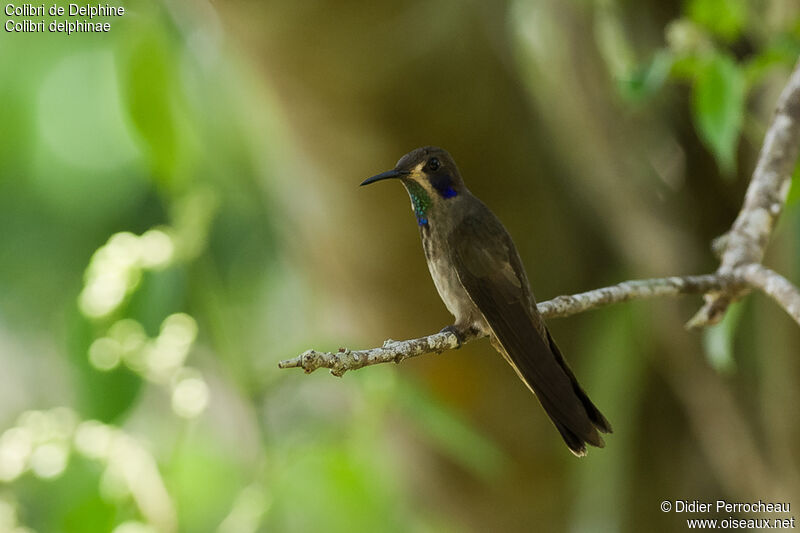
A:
395, 351
747, 239
775, 286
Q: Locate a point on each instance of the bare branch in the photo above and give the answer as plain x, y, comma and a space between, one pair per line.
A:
395, 351
747, 240
391, 352
561, 306
775, 286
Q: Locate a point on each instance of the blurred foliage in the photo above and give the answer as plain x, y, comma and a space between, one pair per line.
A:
141, 145
724, 19
178, 213
718, 106
705, 48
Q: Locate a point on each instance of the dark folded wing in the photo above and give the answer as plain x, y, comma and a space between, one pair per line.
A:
490, 270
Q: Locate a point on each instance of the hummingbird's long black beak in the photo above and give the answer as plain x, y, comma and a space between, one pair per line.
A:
390, 174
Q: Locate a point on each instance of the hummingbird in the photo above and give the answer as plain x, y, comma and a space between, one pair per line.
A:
480, 278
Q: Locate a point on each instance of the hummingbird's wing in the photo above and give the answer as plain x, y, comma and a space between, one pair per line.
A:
491, 272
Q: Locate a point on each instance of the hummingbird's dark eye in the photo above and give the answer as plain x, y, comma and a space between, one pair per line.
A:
433, 164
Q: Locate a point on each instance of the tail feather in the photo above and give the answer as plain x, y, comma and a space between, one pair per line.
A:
541, 366
597, 418
576, 444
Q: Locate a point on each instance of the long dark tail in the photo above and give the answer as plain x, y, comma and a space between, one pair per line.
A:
541, 366
598, 420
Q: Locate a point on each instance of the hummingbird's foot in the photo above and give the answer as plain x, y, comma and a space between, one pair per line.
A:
455, 331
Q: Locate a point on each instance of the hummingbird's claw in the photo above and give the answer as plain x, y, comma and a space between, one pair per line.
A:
455, 331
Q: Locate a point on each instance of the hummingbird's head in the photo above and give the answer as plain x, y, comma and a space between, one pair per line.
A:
431, 178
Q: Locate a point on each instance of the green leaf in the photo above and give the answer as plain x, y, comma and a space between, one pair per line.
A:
718, 340
105, 396
147, 72
723, 18
718, 100
685, 68
646, 80
70, 503
160, 293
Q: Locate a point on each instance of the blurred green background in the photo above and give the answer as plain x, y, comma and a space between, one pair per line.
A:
179, 210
